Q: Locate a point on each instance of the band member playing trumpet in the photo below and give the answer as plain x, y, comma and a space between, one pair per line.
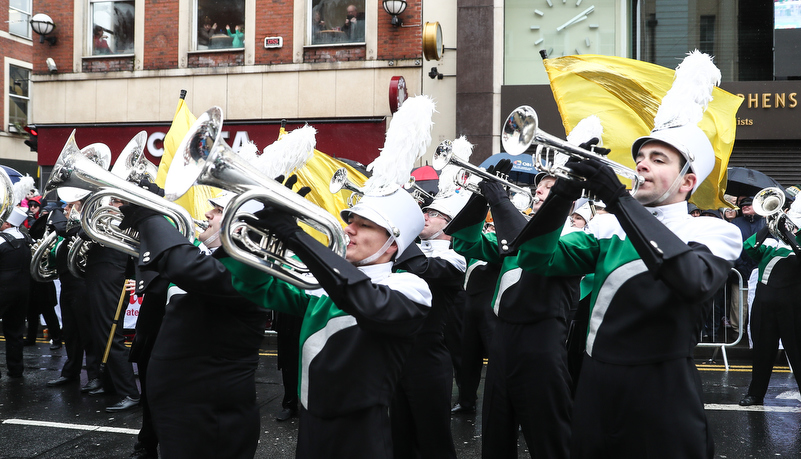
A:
527, 382
201, 393
655, 267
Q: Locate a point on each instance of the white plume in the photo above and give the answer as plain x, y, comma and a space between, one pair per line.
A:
447, 185
691, 92
21, 188
407, 139
287, 154
587, 129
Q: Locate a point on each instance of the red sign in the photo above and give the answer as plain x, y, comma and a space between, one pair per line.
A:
397, 93
359, 140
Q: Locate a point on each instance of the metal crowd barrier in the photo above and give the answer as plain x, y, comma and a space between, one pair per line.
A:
721, 347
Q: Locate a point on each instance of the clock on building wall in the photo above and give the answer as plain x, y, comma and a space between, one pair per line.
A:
432, 41
566, 27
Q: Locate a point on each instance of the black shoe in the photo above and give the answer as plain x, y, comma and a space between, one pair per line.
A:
98, 391
286, 414
140, 452
749, 400
92, 385
55, 345
62, 380
458, 408
125, 404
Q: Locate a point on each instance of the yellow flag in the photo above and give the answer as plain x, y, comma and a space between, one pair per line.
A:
196, 199
625, 94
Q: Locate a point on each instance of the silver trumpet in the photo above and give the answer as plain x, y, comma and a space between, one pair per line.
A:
520, 131
100, 221
444, 157
769, 203
340, 181
204, 158
418, 193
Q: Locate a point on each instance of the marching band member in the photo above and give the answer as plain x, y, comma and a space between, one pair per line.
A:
527, 382
201, 392
15, 260
360, 326
75, 314
639, 394
775, 314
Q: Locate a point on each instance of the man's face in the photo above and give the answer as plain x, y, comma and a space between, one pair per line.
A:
659, 164
543, 190
578, 221
5, 226
366, 238
352, 11
748, 209
214, 217
72, 205
435, 221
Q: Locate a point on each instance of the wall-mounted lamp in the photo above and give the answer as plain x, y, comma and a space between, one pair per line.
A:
395, 8
43, 25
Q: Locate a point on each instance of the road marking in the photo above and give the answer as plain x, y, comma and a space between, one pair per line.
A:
771, 409
62, 425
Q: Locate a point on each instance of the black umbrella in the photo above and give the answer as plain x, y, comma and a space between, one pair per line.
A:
743, 181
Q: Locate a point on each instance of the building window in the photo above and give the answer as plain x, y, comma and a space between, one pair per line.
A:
336, 22
19, 16
111, 28
219, 24
707, 35
18, 97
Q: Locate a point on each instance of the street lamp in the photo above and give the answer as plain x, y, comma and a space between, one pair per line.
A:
395, 8
43, 25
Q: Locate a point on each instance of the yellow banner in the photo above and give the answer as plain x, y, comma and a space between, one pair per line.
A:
625, 94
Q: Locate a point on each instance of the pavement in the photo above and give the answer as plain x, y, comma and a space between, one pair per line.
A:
41, 422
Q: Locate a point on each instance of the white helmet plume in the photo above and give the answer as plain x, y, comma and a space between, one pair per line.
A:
462, 149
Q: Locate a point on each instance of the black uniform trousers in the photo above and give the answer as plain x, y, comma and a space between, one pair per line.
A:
42, 301
420, 409
217, 394
640, 412
104, 285
775, 315
329, 432
13, 304
453, 330
77, 330
288, 328
526, 377
478, 326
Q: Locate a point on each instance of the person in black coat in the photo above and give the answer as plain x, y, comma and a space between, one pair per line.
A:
42, 299
202, 393
15, 260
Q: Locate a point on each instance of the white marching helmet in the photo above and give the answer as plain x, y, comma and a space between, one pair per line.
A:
398, 213
690, 141
17, 217
794, 214
450, 205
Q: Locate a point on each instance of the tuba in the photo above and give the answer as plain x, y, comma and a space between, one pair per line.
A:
339, 181
6, 196
204, 158
769, 203
100, 221
520, 131
132, 165
40, 251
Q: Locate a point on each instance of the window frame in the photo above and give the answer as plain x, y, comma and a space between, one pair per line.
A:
27, 14
195, 23
9, 62
309, 29
88, 42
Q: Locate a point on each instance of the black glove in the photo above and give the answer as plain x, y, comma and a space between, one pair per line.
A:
151, 187
601, 180
504, 166
291, 181
132, 215
473, 213
593, 142
492, 191
281, 224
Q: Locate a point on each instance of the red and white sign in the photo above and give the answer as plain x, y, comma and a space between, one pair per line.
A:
273, 42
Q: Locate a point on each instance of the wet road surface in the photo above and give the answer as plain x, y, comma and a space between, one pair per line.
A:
41, 422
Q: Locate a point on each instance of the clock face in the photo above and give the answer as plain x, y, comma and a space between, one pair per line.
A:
566, 27
432, 41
